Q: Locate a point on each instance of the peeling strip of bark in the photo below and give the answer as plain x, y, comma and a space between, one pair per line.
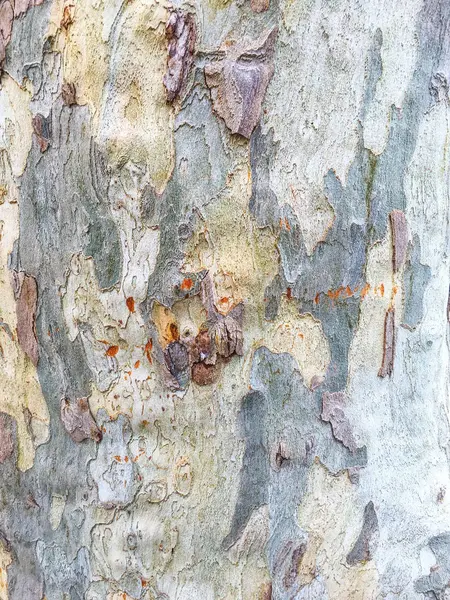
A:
6, 23
332, 412
42, 130
26, 293
400, 235
68, 94
238, 83
387, 366
365, 545
78, 420
181, 33
6, 437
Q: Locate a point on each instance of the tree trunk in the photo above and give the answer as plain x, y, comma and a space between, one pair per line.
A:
224, 288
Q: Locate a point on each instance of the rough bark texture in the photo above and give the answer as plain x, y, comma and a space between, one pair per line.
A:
224, 287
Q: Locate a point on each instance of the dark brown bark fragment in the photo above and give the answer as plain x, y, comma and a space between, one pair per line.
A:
68, 93
78, 420
42, 130
365, 545
387, 365
400, 237
26, 293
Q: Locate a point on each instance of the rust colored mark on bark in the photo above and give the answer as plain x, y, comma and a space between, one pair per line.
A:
112, 351
67, 18
259, 6
387, 366
6, 437
68, 93
333, 412
78, 420
26, 294
181, 33
239, 81
187, 284
42, 131
130, 304
148, 350
400, 236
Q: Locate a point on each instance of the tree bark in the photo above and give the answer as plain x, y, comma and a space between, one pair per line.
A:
224, 291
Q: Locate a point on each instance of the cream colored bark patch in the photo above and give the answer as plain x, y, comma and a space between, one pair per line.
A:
5, 561
329, 512
302, 337
20, 393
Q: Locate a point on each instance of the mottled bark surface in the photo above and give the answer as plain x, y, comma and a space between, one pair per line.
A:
224, 291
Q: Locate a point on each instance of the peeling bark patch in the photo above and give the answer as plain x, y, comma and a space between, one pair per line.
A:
78, 420
6, 23
367, 541
68, 94
181, 33
400, 235
387, 365
259, 6
6, 437
333, 405
42, 131
239, 82
26, 293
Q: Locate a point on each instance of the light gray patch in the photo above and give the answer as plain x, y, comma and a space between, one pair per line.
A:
415, 280
27, 41
365, 546
374, 70
64, 576
263, 201
113, 470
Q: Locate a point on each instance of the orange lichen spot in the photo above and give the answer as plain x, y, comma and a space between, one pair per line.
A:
317, 298
382, 289
394, 290
137, 364
348, 291
112, 351
144, 582
145, 423
224, 300
365, 290
118, 458
186, 284
334, 294
126, 459
301, 336
130, 304
148, 349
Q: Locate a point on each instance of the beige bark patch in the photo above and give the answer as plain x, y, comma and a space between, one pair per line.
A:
302, 337
20, 393
330, 513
